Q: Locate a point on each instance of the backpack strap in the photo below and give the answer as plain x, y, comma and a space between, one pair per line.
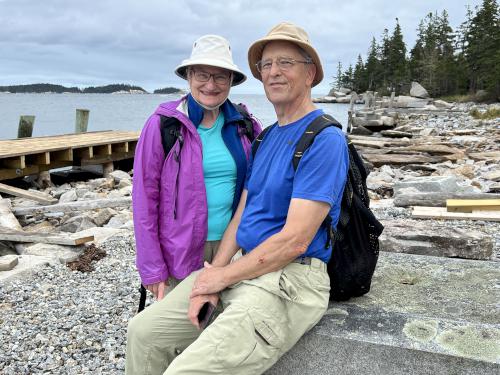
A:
313, 129
256, 143
246, 125
170, 129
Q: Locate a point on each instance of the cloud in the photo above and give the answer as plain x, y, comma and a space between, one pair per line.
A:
141, 42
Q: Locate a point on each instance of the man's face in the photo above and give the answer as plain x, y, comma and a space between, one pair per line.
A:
285, 85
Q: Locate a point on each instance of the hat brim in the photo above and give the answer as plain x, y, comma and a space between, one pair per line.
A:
256, 49
238, 77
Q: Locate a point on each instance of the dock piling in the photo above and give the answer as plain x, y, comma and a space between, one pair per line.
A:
82, 120
25, 129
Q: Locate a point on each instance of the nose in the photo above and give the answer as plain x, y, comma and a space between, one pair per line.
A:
275, 70
211, 82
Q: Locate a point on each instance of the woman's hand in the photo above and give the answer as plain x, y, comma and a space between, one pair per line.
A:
158, 289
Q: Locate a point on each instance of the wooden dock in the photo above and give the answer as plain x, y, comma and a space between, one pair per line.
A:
26, 156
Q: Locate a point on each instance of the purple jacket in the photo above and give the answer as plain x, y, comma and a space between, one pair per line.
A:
169, 197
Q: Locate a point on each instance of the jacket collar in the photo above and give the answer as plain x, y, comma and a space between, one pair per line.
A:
195, 111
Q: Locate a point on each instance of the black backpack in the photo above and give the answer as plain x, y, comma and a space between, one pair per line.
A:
355, 244
170, 128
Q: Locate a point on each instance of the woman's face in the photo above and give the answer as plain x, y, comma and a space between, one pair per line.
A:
209, 85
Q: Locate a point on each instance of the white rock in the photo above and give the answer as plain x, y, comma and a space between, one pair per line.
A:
69, 196
8, 262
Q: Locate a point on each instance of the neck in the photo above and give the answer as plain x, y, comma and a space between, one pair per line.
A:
291, 112
209, 117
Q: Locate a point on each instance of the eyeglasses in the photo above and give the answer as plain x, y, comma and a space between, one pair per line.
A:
219, 78
284, 64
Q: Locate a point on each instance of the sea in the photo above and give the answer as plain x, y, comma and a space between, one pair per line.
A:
55, 113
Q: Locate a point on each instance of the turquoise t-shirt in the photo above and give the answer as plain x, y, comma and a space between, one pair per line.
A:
219, 170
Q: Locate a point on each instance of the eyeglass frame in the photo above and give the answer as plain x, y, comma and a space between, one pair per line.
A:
289, 59
212, 75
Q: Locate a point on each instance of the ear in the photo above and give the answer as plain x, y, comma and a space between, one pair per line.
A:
310, 73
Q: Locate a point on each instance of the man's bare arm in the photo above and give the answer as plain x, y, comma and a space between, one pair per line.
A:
303, 221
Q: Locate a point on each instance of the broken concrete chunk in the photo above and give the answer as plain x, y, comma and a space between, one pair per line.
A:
8, 262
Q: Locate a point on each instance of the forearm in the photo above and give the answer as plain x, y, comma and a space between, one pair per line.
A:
271, 255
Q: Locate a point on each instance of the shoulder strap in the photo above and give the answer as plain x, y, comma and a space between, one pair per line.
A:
246, 124
313, 129
170, 132
256, 143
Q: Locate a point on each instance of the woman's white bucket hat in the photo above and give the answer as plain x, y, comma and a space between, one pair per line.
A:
212, 50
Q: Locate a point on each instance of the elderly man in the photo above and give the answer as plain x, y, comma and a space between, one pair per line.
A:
277, 288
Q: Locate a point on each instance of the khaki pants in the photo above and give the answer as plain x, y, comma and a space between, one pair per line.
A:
209, 251
261, 319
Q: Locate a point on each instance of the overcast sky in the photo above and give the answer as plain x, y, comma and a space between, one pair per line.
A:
98, 42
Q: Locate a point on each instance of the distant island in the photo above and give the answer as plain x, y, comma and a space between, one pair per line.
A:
41, 88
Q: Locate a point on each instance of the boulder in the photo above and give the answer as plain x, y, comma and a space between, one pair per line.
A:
103, 216
63, 254
8, 262
69, 196
119, 175
410, 102
436, 241
418, 91
77, 224
431, 184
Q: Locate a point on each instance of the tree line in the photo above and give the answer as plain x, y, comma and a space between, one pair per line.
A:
108, 89
445, 61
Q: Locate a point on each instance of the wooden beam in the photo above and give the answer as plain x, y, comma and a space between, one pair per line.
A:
119, 147
441, 213
52, 238
102, 150
84, 153
470, 205
63, 155
18, 162
7, 174
38, 159
74, 206
33, 195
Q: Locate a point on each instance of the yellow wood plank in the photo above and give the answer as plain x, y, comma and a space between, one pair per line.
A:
18, 162
63, 155
83, 153
469, 205
441, 213
102, 150
38, 159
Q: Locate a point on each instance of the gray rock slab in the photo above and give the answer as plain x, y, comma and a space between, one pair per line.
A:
436, 241
424, 315
426, 184
63, 254
27, 264
8, 262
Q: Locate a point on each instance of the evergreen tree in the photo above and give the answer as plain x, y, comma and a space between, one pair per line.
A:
482, 49
372, 67
396, 59
359, 76
338, 78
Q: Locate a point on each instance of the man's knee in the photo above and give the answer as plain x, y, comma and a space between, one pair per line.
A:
137, 330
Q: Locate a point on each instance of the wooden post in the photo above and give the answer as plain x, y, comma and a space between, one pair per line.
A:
82, 120
107, 168
25, 129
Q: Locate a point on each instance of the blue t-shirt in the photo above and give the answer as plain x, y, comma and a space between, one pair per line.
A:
219, 171
272, 182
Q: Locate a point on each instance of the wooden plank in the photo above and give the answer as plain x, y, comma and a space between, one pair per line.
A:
442, 213
469, 205
74, 206
33, 195
7, 174
25, 146
38, 237
18, 162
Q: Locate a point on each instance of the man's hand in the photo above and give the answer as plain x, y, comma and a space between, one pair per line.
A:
210, 280
196, 303
158, 289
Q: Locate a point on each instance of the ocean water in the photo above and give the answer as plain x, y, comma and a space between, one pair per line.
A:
55, 113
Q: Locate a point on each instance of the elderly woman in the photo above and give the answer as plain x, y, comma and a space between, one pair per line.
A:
189, 169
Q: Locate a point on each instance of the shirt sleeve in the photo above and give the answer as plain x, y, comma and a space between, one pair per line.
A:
322, 170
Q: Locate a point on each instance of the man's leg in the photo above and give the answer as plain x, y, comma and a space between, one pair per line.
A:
262, 319
160, 332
